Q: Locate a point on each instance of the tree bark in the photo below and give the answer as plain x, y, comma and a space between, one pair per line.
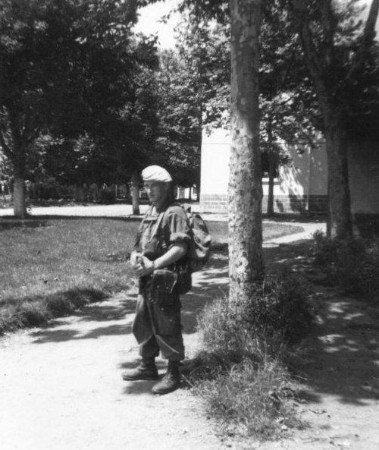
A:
19, 165
272, 160
323, 69
271, 171
19, 204
339, 223
245, 180
135, 194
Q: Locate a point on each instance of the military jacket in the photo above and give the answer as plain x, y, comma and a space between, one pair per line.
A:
160, 230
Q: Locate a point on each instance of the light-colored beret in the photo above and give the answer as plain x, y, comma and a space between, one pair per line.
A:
156, 173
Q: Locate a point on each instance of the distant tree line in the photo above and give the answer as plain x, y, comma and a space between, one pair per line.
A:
83, 99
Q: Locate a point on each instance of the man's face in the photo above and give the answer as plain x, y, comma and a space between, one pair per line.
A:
156, 191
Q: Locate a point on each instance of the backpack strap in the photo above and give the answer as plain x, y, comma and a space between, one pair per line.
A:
158, 223
139, 231
155, 229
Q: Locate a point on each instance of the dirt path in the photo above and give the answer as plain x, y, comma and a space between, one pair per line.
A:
339, 366
61, 389
341, 370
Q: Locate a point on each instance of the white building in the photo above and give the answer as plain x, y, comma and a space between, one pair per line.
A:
300, 186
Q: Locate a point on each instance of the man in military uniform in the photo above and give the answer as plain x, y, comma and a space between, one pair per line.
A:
162, 244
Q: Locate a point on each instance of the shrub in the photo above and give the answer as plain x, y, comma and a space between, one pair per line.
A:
281, 306
239, 370
39, 311
46, 190
250, 399
107, 195
32, 314
352, 264
278, 313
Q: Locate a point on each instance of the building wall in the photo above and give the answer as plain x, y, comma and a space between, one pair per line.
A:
300, 186
214, 174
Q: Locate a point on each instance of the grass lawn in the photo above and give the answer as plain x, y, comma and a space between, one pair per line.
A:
50, 267
55, 266
271, 230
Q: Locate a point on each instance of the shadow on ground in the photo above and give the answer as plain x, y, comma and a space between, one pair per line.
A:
84, 324
341, 354
339, 358
141, 386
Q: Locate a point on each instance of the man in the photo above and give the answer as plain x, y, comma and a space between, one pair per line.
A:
162, 244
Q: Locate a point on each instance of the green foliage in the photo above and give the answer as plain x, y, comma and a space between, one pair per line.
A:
278, 312
240, 372
107, 195
75, 102
353, 265
250, 400
289, 111
180, 110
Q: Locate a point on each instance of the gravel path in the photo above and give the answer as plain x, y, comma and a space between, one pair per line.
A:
61, 387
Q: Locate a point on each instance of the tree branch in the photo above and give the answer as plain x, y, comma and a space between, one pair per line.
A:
314, 62
329, 24
366, 39
6, 149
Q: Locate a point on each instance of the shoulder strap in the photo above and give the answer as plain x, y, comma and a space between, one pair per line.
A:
158, 223
139, 231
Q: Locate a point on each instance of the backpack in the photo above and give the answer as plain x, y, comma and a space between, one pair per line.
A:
200, 245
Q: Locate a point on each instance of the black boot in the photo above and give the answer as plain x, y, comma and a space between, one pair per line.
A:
171, 380
146, 370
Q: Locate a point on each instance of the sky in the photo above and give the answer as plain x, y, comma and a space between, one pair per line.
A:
149, 17
148, 22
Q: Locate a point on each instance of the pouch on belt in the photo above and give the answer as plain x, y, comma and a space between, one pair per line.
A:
163, 286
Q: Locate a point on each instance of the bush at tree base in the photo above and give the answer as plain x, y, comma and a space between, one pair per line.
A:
240, 372
279, 313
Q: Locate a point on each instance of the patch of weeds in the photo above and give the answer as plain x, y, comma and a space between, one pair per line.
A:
250, 399
32, 312
353, 265
279, 309
239, 371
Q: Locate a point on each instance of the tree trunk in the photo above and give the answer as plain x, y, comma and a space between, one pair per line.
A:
245, 180
19, 206
134, 190
339, 218
272, 158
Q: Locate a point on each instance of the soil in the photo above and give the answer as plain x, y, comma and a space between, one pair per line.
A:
61, 385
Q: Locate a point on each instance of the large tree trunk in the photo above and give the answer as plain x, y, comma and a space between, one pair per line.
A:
245, 182
271, 169
339, 217
19, 204
135, 194
323, 68
272, 161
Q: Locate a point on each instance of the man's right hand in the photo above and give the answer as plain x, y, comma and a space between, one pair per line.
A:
134, 259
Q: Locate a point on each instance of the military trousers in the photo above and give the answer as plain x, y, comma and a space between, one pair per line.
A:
157, 325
